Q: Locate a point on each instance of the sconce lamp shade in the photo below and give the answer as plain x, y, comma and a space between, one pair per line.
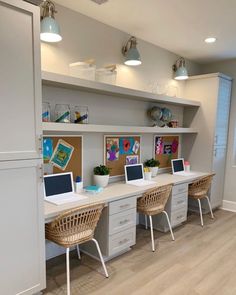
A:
131, 53
181, 74
50, 30
132, 57
180, 70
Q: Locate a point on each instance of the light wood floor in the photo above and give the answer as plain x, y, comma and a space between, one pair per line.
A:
201, 261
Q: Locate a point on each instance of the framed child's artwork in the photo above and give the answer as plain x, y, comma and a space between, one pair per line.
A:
120, 150
166, 148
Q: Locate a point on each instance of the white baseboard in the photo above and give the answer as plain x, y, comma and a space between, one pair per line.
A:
229, 206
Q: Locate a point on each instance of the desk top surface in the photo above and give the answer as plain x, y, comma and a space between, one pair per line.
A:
116, 191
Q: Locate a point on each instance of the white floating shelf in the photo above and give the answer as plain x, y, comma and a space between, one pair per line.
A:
72, 129
70, 82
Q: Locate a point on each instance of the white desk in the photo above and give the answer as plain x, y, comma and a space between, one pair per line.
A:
116, 230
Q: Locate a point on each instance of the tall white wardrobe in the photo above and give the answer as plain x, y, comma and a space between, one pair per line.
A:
22, 263
207, 151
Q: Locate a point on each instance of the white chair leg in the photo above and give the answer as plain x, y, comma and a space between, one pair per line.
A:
146, 222
78, 252
152, 237
212, 215
101, 258
200, 210
68, 270
168, 221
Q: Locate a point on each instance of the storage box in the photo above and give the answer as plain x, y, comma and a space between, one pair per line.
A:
83, 70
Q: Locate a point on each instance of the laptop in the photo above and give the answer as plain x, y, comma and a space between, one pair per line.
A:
134, 175
178, 168
59, 189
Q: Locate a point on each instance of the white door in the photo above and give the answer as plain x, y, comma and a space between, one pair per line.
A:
218, 167
20, 81
22, 263
223, 106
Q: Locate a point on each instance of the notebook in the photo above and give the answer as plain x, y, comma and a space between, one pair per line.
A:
59, 189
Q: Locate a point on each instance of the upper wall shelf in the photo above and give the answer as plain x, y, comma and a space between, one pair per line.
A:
60, 128
69, 82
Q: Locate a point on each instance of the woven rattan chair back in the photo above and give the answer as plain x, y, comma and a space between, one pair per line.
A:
75, 226
154, 198
199, 188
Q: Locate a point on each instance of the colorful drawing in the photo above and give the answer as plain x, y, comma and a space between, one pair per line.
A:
126, 145
62, 154
132, 160
112, 149
47, 149
174, 147
136, 147
159, 146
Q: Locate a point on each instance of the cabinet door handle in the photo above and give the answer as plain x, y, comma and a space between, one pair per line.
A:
216, 139
124, 206
123, 241
122, 222
215, 152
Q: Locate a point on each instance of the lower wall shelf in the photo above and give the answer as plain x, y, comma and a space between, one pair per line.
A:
72, 129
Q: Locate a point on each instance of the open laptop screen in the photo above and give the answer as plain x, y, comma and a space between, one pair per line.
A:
57, 184
177, 165
134, 172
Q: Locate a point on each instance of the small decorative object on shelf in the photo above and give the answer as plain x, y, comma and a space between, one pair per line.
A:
101, 175
153, 166
160, 116
107, 74
46, 112
62, 113
81, 115
173, 124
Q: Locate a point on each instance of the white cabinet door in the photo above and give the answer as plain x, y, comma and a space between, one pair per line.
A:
222, 117
20, 81
218, 180
22, 265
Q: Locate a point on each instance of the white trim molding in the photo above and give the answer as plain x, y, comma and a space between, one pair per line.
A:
229, 206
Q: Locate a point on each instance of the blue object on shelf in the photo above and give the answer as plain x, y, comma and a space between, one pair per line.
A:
78, 179
93, 189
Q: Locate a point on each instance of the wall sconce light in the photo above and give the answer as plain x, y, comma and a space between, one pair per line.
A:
130, 51
50, 30
180, 70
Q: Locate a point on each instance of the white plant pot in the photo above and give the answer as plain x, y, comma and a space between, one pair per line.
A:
154, 171
148, 175
101, 180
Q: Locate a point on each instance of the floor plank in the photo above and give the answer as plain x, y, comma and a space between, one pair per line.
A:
201, 261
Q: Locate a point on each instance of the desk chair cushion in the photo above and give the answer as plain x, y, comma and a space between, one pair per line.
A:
154, 200
74, 227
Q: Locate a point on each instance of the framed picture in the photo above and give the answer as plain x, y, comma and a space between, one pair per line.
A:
62, 154
166, 148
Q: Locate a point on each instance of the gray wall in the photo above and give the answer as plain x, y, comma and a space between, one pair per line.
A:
229, 68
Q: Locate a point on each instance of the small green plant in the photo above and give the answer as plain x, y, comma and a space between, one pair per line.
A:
101, 170
151, 163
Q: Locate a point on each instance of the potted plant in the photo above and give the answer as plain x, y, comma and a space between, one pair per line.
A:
153, 165
101, 175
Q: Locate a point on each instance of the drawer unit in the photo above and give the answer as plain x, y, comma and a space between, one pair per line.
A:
122, 221
122, 205
179, 189
121, 241
178, 217
179, 201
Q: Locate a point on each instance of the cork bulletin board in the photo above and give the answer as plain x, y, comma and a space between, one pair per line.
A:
166, 148
120, 150
62, 154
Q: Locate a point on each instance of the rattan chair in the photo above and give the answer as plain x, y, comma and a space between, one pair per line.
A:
73, 228
199, 190
152, 203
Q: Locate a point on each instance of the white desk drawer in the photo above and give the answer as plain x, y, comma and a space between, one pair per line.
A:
122, 221
178, 216
179, 188
179, 201
122, 205
122, 241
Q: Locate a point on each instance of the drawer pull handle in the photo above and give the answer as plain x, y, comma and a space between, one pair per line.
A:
124, 206
180, 202
180, 216
123, 241
124, 221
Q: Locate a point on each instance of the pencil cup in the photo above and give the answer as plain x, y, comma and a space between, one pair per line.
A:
148, 175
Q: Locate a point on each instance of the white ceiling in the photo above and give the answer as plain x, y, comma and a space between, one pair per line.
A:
179, 26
